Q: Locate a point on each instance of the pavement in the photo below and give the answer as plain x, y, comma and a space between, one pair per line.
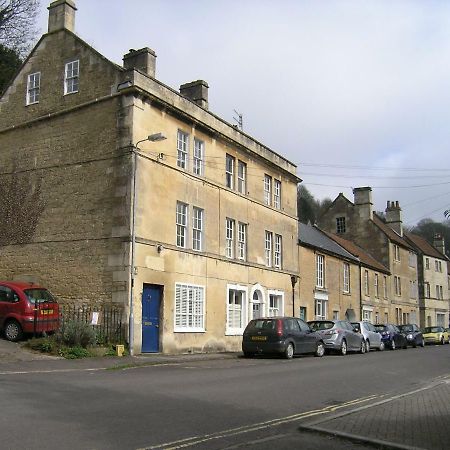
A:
414, 420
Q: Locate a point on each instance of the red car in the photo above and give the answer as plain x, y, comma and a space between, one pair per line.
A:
26, 308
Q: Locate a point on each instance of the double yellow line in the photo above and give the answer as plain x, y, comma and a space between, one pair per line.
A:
195, 440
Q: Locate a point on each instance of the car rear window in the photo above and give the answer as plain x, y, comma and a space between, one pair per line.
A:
320, 325
262, 324
432, 330
39, 295
380, 327
406, 328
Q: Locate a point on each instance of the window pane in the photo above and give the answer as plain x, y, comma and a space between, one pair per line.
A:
182, 149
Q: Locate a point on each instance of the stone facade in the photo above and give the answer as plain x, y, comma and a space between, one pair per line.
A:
97, 217
385, 242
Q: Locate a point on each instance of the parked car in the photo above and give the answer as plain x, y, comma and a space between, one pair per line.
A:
413, 334
26, 308
280, 335
391, 336
339, 336
436, 335
371, 337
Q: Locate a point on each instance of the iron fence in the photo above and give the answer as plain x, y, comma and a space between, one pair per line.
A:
106, 320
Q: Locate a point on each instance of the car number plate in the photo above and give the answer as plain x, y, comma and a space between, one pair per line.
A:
45, 312
259, 338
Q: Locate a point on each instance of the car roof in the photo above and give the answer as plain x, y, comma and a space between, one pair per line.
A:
20, 284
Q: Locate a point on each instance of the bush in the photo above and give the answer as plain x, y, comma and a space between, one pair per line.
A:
74, 352
78, 334
45, 344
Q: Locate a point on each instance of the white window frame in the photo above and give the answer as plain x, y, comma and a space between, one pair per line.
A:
33, 88
242, 177
242, 241
375, 285
268, 245
366, 283
427, 289
181, 224
277, 194
231, 330
385, 286
197, 228
190, 317
346, 277
396, 252
367, 314
259, 301
427, 263
320, 309
320, 271
72, 77
268, 190
397, 285
278, 251
230, 162
198, 162
182, 149
230, 226
277, 295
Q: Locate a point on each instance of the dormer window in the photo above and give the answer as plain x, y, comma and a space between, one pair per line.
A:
33, 88
71, 77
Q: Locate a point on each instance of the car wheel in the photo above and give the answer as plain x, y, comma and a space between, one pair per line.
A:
320, 349
367, 346
13, 331
248, 355
343, 349
393, 346
381, 347
362, 348
289, 352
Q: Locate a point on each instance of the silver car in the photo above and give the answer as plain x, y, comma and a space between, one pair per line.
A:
371, 336
339, 336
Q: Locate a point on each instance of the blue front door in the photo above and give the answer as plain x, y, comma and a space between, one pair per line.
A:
151, 299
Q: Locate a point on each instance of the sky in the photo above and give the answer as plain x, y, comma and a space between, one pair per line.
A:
354, 92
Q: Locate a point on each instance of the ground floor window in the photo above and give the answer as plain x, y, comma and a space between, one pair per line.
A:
320, 309
367, 315
440, 320
236, 308
257, 308
302, 314
189, 308
276, 303
335, 315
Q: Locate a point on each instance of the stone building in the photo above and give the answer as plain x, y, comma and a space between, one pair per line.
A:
374, 282
384, 241
433, 280
329, 278
119, 189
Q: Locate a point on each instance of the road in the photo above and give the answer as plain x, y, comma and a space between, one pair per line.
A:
221, 403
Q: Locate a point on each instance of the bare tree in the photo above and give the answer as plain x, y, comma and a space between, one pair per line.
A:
18, 24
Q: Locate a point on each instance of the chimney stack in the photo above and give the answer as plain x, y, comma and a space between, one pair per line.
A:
394, 217
196, 91
363, 201
143, 60
438, 243
61, 15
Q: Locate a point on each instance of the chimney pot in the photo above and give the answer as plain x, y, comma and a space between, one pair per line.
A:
394, 217
61, 15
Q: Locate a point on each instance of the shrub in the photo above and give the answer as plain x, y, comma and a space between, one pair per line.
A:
44, 344
78, 334
74, 352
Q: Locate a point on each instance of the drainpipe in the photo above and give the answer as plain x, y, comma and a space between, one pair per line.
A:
360, 293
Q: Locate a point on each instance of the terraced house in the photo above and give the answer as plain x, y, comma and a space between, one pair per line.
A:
433, 280
383, 240
122, 190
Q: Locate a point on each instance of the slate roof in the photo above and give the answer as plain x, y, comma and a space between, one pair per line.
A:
424, 246
366, 259
314, 237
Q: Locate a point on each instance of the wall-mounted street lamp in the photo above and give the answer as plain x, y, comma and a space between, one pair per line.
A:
156, 137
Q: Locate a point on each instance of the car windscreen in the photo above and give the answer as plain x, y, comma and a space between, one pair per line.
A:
432, 330
380, 327
39, 295
405, 327
261, 324
320, 325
